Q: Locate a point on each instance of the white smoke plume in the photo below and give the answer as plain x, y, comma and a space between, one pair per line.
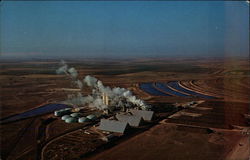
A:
90, 81
118, 96
71, 72
99, 104
63, 69
79, 84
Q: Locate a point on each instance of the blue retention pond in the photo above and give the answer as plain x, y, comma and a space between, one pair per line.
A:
165, 88
176, 86
48, 108
148, 87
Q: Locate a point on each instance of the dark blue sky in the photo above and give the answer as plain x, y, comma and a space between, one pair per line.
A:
124, 29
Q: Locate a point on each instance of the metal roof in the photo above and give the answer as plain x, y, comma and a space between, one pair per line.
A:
132, 120
113, 126
146, 115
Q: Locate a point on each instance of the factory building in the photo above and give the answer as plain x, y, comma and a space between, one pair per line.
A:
146, 115
113, 126
108, 137
132, 120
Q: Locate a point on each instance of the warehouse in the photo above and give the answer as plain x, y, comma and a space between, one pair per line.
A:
132, 120
113, 126
146, 115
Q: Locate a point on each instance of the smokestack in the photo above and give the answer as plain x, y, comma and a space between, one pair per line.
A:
105, 99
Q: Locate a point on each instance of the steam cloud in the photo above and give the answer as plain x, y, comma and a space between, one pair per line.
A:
119, 97
71, 72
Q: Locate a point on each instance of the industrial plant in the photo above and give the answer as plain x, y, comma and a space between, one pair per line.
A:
116, 108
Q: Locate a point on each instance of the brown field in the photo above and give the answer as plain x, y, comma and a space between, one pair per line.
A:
26, 85
170, 141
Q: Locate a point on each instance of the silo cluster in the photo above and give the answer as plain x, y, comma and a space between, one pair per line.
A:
75, 117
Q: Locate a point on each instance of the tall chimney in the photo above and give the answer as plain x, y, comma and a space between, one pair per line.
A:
105, 99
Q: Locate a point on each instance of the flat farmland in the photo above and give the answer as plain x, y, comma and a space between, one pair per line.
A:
170, 141
27, 85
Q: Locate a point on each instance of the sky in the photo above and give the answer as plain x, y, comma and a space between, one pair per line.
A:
85, 29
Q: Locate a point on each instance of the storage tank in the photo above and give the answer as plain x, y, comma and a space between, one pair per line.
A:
71, 120
92, 117
65, 117
76, 115
83, 119
62, 112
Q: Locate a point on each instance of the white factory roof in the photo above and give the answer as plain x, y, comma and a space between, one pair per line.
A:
132, 120
113, 126
146, 115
